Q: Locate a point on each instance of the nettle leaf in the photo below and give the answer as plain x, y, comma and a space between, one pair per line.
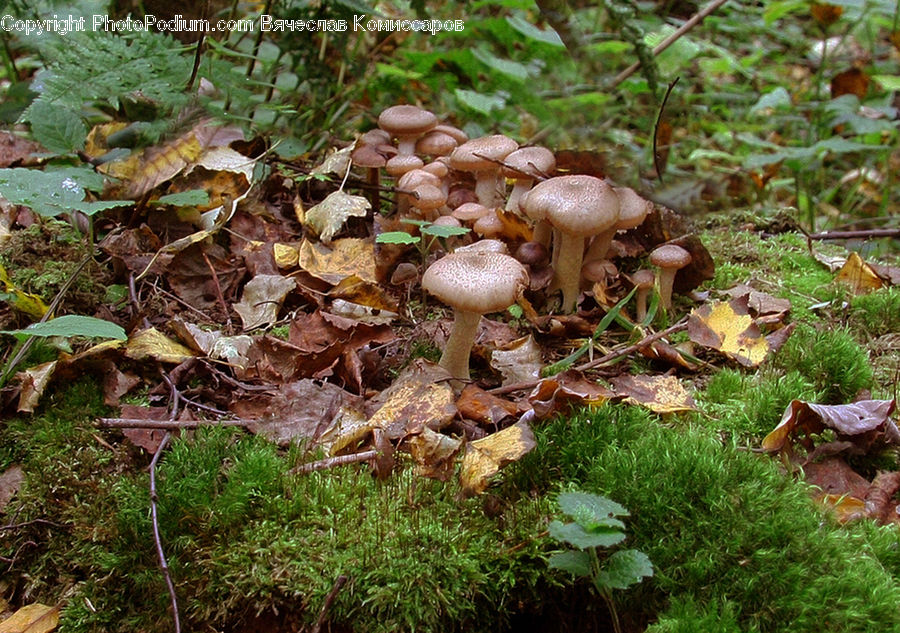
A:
590, 510
577, 536
57, 127
72, 325
397, 237
576, 563
53, 191
623, 569
479, 102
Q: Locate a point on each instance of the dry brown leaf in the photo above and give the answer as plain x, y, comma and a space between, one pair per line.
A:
33, 618
474, 403
834, 476
261, 300
434, 453
565, 390
729, 328
286, 255
861, 422
515, 227
760, 303
15, 149
10, 481
662, 394
858, 275
825, 14
151, 343
346, 257
364, 293
420, 397
846, 508
327, 217
850, 82
519, 361
881, 504
485, 457
34, 381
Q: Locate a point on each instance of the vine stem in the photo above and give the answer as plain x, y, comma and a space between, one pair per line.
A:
666, 43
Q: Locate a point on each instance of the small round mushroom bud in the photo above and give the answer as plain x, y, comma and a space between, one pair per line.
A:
597, 271
459, 196
643, 280
436, 144
406, 123
473, 284
481, 157
670, 258
399, 164
442, 172
458, 135
578, 207
404, 273
470, 212
488, 225
376, 136
533, 254
524, 166
427, 199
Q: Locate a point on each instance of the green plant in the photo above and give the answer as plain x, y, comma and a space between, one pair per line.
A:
424, 245
596, 525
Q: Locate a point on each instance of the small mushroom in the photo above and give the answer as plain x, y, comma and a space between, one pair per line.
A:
670, 258
473, 284
578, 207
643, 280
481, 157
632, 211
524, 166
406, 123
436, 143
488, 225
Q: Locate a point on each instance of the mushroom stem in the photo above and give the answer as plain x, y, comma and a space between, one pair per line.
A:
542, 232
568, 268
521, 186
641, 298
666, 278
486, 188
600, 245
455, 358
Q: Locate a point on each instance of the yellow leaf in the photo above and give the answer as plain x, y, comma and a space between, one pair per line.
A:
262, 298
434, 453
33, 618
858, 275
346, 257
25, 302
662, 394
151, 343
286, 255
485, 457
327, 217
729, 328
421, 396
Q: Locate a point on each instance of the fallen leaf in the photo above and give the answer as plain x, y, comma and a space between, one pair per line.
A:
485, 457
18, 299
850, 82
474, 403
261, 300
345, 258
327, 217
662, 394
347, 430
34, 381
858, 275
148, 439
862, 422
761, 304
33, 618
151, 343
880, 502
420, 397
565, 390
825, 14
834, 476
519, 361
846, 508
729, 328
360, 292
10, 481
434, 453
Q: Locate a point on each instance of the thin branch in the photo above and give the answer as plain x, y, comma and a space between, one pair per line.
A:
339, 582
666, 43
154, 498
169, 425
331, 462
853, 235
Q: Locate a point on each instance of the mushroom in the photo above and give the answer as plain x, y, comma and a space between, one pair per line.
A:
578, 207
406, 123
632, 211
436, 143
488, 225
481, 157
524, 166
643, 280
472, 283
670, 258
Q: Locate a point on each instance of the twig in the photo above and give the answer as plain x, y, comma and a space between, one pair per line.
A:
156, 537
218, 288
169, 425
613, 355
16, 526
339, 582
331, 462
852, 235
666, 43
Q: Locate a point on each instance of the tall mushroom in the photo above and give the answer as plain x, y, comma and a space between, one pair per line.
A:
670, 258
578, 207
632, 211
524, 166
406, 123
482, 156
472, 283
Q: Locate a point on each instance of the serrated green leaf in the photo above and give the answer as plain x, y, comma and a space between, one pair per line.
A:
596, 508
72, 325
577, 536
576, 563
623, 569
191, 198
57, 128
397, 237
53, 191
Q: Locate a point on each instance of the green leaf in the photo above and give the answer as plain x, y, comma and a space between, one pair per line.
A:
623, 569
57, 128
777, 10
444, 231
397, 237
506, 67
54, 191
777, 98
577, 536
479, 102
576, 563
888, 82
529, 30
190, 198
590, 510
72, 325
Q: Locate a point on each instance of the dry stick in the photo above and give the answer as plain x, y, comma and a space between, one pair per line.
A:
331, 462
339, 582
615, 354
169, 425
852, 235
219, 294
666, 43
156, 537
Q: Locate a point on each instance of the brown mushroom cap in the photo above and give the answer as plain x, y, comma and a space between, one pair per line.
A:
632, 208
428, 197
578, 205
470, 212
481, 154
643, 278
670, 256
530, 163
399, 165
403, 120
367, 156
436, 144
450, 130
375, 137
474, 281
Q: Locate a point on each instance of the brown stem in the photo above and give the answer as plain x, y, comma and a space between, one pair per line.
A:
331, 462
169, 425
339, 582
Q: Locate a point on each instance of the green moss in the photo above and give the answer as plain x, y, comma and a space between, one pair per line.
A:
722, 527
877, 313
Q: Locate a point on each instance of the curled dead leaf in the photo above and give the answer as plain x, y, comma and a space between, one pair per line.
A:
860, 422
662, 394
485, 457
